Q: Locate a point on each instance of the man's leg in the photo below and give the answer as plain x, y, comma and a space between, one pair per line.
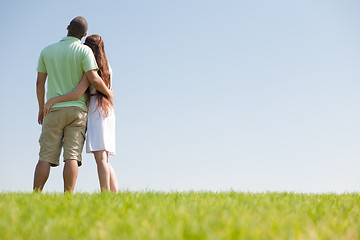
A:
70, 174
41, 175
50, 147
74, 138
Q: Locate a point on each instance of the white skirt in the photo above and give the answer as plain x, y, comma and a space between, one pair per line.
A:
100, 134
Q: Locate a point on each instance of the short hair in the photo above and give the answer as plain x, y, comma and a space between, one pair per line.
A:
78, 27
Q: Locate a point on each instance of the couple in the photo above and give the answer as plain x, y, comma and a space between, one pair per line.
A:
72, 69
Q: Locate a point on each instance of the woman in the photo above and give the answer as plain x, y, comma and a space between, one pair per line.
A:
100, 135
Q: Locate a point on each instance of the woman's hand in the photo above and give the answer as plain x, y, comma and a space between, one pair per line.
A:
47, 106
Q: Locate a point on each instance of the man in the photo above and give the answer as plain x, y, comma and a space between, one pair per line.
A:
64, 63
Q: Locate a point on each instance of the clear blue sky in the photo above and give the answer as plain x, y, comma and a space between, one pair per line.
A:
210, 95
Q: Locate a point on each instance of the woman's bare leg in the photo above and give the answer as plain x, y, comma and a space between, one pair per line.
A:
101, 158
113, 180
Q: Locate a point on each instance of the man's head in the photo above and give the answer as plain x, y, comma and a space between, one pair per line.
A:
77, 28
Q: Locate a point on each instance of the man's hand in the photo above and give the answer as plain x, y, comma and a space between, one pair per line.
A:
40, 93
41, 116
110, 97
99, 84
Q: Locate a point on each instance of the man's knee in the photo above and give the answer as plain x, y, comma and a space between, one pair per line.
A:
72, 162
43, 164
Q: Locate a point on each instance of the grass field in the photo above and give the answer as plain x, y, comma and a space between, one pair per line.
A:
191, 215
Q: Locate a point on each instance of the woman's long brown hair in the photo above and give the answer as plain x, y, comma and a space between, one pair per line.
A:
96, 43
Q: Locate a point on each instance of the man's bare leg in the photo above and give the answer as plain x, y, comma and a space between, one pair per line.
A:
70, 174
103, 170
41, 175
113, 180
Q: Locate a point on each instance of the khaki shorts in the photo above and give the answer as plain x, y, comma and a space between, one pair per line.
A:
65, 128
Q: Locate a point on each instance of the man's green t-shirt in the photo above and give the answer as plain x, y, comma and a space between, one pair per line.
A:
65, 63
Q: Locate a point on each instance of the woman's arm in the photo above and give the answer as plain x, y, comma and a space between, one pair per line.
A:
77, 93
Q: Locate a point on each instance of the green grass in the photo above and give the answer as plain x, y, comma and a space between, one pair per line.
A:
192, 215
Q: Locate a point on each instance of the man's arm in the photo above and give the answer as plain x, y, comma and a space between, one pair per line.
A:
99, 84
40, 93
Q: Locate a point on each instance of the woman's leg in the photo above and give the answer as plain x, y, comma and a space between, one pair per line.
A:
103, 169
113, 180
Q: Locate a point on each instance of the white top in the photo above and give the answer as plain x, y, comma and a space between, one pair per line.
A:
100, 133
